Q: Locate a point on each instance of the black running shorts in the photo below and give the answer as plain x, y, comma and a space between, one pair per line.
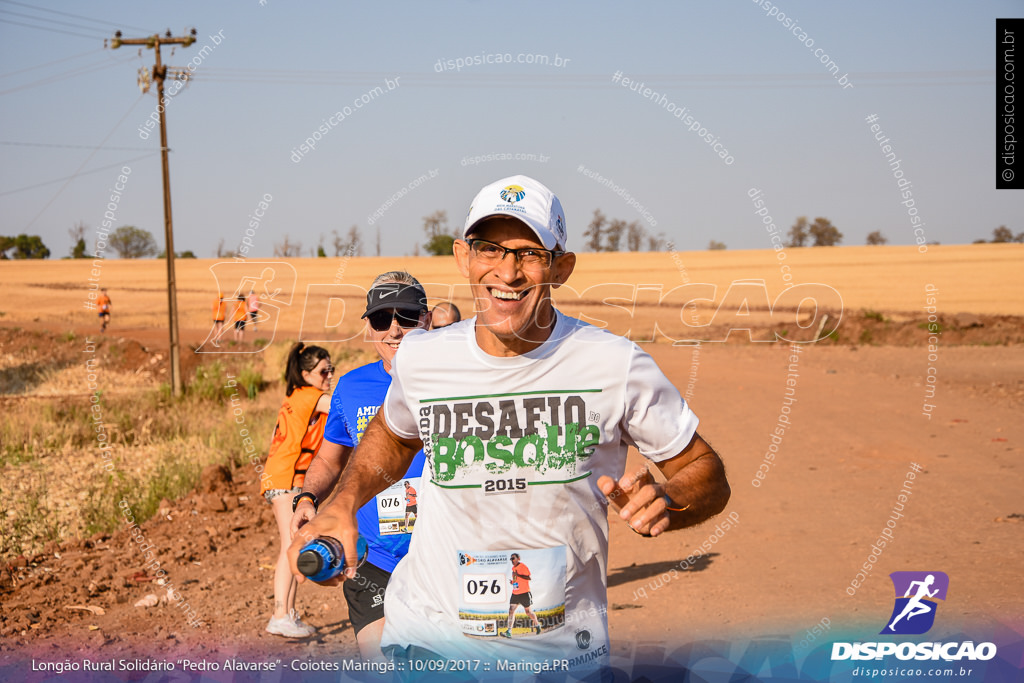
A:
365, 595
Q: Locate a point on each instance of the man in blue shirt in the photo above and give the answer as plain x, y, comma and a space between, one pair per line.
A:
395, 303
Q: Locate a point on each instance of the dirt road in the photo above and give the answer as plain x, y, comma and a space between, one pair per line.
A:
856, 433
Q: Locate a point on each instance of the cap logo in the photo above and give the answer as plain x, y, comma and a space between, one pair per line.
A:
513, 194
560, 227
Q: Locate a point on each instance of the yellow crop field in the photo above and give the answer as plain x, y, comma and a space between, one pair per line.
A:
983, 278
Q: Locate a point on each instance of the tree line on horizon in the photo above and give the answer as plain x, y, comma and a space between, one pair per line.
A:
601, 235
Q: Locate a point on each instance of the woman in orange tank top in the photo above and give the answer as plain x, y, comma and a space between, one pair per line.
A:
238, 316
297, 436
220, 309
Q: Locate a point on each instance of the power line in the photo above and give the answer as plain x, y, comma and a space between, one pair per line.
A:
41, 28
51, 21
87, 159
77, 71
658, 77
587, 81
56, 61
68, 14
463, 84
71, 177
51, 144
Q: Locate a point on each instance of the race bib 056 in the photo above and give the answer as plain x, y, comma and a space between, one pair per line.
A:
511, 593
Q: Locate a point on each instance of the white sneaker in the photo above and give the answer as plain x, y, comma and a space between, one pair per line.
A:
290, 626
301, 624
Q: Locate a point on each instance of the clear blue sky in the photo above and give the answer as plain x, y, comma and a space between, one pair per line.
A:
924, 68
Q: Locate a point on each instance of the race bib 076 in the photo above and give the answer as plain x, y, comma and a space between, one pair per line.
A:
397, 507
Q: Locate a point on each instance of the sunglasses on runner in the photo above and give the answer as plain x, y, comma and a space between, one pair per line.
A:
329, 370
381, 320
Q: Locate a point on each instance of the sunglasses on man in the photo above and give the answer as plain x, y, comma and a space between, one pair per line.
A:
381, 320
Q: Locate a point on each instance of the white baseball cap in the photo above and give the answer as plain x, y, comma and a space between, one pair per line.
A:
524, 198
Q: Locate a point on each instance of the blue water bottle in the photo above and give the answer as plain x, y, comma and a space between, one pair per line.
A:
323, 558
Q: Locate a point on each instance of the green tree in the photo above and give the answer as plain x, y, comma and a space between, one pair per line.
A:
318, 250
1002, 235
78, 250
24, 247
131, 242
715, 245
440, 239
824, 233
876, 238
178, 254
440, 245
798, 233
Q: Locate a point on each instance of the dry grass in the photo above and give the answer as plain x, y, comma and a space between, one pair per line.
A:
58, 484
55, 479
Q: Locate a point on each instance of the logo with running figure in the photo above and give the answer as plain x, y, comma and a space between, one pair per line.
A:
513, 194
917, 595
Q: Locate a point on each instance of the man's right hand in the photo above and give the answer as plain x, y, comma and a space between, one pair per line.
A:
333, 521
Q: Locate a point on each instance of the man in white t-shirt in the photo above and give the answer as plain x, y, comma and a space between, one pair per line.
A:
525, 416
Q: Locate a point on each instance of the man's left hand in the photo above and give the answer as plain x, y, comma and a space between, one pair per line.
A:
640, 501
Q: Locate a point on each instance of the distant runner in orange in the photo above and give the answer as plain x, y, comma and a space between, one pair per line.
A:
103, 305
238, 317
220, 309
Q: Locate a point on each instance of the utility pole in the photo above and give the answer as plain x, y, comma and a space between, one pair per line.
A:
159, 74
